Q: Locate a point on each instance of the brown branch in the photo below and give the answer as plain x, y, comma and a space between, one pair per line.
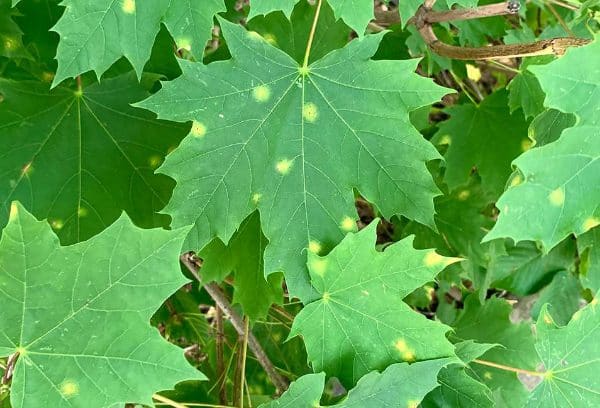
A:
425, 17
191, 262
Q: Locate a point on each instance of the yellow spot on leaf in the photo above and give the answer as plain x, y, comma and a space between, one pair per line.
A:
283, 166
154, 161
445, 140
319, 266
413, 403
254, 35
10, 44
198, 129
463, 195
487, 375
14, 212
576, 316
407, 353
261, 93
557, 197
516, 180
326, 297
128, 6
184, 44
27, 169
57, 224
433, 259
270, 38
348, 224
69, 388
47, 76
314, 247
310, 113
430, 291
82, 212
473, 72
590, 223
256, 197
547, 318
526, 144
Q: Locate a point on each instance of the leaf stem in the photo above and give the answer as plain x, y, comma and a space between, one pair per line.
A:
508, 368
220, 357
311, 35
243, 361
168, 401
10, 367
192, 263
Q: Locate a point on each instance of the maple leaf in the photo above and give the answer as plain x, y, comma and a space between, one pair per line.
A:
80, 158
359, 322
264, 7
96, 33
79, 315
295, 142
561, 177
11, 44
487, 137
398, 386
570, 356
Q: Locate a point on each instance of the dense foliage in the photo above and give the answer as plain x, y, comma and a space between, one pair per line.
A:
299, 203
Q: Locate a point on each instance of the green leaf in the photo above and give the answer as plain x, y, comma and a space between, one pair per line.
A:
11, 44
355, 13
79, 315
563, 294
264, 7
299, 146
490, 323
588, 245
525, 93
79, 160
244, 256
487, 137
565, 193
570, 355
548, 125
359, 322
398, 386
96, 33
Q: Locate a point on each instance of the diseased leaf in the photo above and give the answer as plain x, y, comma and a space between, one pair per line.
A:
80, 159
359, 323
486, 137
398, 386
79, 315
94, 34
588, 245
295, 142
11, 44
570, 356
562, 177
244, 257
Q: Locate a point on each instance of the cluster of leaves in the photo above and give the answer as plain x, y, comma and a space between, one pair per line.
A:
398, 231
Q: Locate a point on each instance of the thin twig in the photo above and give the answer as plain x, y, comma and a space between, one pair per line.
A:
168, 401
191, 262
10, 368
508, 368
220, 357
564, 4
490, 10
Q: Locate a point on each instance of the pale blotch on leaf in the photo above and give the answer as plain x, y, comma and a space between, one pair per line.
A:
445, 140
433, 259
57, 224
10, 44
256, 197
348, 224
547, 318
326, 297
261, 93
557, 197
526, 144
270, 38
429, 292
283, 166
69, 388
406, 352
253, 35
47, 76
198, 129
128, 6
463, 195
82, 212
154, 161
473, 72
576, 316
487, 375
310, 112
184, 44
14, 212
516, 180
314, 247
319, 266
413, 403
590, 223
